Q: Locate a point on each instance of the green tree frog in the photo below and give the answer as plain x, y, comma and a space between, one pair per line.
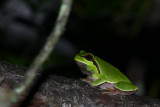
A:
104, 75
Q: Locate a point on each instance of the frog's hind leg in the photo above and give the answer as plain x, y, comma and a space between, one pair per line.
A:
125, 86
112, 89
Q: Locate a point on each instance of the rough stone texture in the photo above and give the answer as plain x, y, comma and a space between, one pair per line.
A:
58, 91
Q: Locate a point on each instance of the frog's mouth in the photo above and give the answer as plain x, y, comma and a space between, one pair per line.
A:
83, 68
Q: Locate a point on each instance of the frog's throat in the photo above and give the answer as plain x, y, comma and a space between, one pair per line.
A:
83, 68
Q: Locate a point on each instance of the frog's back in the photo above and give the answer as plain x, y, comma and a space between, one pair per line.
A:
111, 73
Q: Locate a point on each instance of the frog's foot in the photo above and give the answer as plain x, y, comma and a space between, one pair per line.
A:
110, 92
107, 86
117, 92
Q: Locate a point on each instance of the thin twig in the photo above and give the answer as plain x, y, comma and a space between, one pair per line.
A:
44, 53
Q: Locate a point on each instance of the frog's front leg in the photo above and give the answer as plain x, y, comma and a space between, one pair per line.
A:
98, 82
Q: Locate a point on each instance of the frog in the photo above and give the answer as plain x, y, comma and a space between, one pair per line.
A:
104, 75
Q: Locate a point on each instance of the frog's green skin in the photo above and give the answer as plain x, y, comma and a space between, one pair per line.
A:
104, 75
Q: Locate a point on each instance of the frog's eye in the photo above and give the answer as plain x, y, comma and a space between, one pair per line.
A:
89, 57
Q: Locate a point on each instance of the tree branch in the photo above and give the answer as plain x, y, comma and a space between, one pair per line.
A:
58, 91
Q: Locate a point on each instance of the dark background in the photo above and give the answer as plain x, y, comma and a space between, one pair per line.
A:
124, 33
